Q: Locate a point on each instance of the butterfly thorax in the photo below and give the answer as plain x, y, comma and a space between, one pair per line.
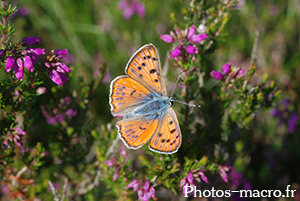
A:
152, 109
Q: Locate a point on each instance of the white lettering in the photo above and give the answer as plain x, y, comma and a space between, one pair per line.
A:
186, 191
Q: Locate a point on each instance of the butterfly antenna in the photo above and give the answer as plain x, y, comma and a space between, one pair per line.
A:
191, 105
177, 80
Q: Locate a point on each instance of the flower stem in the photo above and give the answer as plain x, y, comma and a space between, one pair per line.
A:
4, 34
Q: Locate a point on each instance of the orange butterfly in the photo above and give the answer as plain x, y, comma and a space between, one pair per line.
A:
141, 98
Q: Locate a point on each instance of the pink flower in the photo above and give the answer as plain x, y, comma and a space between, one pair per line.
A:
223, 170
58, 77
123, 152
111, 162
226, 68
191, 49
217, 75
28, 63
19, 69
241, 73
176, 52
29, 41
116, 175
140, 9
130, 8
41, 90
57, 69
145, 190
198, 38
10, 64
203, 177
14, 136
191, 33
167, 38
70, 112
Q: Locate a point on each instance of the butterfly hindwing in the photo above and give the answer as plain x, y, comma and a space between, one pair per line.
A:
126, 94
144, 66
167, 137
136, 132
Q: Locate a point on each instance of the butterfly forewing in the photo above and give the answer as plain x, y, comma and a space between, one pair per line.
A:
167, 137
136, 132
144, 66
127, 94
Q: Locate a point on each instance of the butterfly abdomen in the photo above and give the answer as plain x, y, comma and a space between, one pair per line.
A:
152, 109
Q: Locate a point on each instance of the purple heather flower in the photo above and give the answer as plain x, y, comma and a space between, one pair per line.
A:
122, 4
226, 68
61, 53
241, 73
70, 113
28, 63
292, 122
123, 152
57, 69
58, 77
167, 38
111, 162
116, 175
191, 49
144, 189
140, 9
190, 177
36, 51
176, 52
13, 136
41, 90
203, 177
128, 12
67, 100
10, 64
198, 38
29, 41
275, 112
217, 75
131, 7
134, 184
19, 69
223, 174
191, 33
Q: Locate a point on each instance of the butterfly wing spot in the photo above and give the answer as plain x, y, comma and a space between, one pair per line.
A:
134, 63
159, 134
143, 64
139, 68
172, 131
148, 56
152, 71
163, 140
171, 122
144, 57
156, 80
142, 128
131, 94
168, 140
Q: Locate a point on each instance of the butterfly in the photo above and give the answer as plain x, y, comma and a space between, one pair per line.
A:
140, 97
